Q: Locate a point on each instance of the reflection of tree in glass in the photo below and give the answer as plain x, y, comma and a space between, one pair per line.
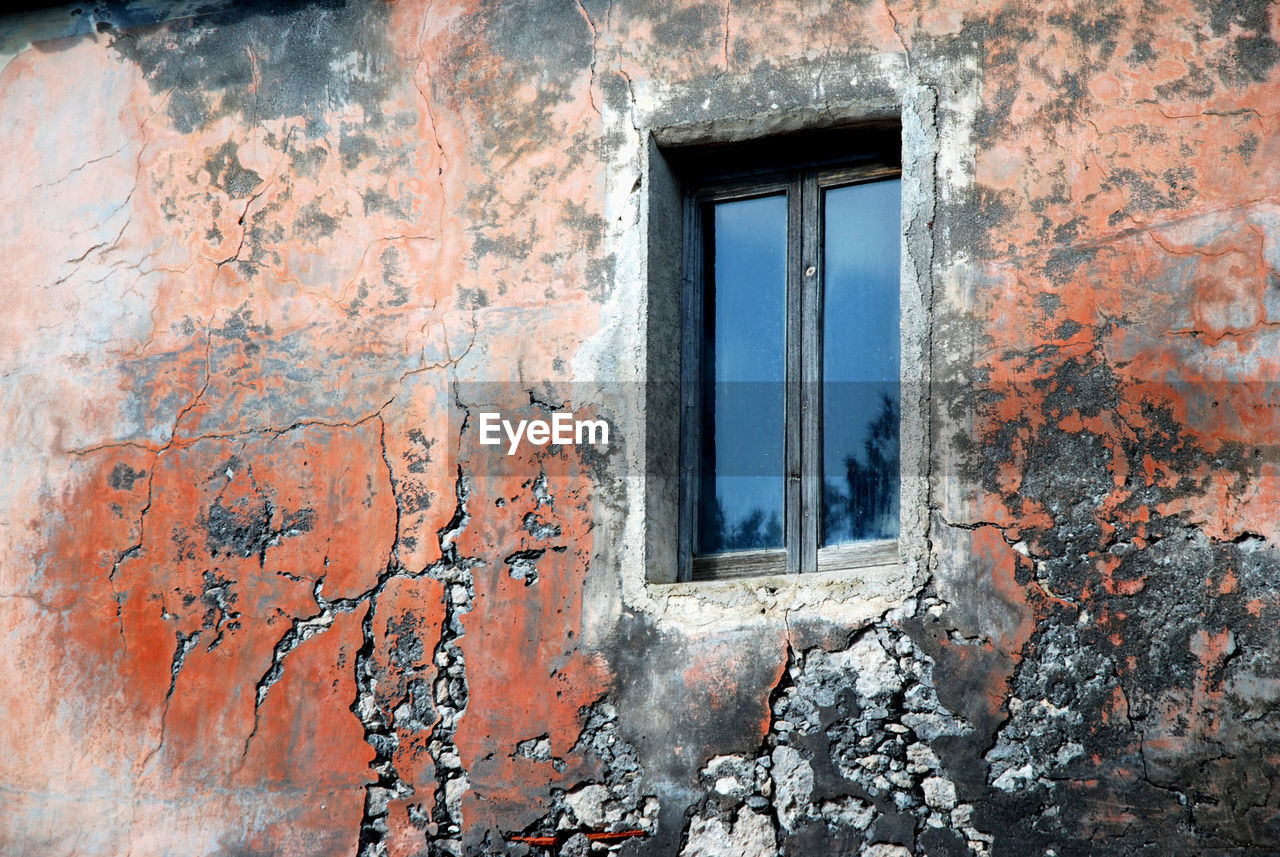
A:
870, 508
753, 531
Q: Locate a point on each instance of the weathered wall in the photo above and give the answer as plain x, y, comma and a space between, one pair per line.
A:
261, 593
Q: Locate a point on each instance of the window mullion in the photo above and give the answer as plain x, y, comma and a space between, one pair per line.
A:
811, 375
795, 524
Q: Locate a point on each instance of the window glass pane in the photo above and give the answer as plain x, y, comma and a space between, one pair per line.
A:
743, 378
860, 397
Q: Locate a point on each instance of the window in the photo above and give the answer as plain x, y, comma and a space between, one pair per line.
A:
790, 355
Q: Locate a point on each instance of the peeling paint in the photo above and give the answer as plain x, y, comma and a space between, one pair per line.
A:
263, 593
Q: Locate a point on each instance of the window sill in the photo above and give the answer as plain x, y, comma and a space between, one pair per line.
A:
744, 564
858, 555
848, 596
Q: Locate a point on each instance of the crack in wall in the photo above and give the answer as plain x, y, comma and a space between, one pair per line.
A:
591, 25
393, 558
300, 630
897, 31
380, 734
441, 822
725, 45
450, 690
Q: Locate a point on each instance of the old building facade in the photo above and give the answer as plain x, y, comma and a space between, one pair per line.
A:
264, 592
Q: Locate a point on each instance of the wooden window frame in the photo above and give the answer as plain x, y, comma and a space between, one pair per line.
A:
803, 183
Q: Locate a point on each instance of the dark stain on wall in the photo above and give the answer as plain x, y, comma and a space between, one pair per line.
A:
212, 66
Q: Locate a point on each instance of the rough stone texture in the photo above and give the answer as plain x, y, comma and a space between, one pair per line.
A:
263, 592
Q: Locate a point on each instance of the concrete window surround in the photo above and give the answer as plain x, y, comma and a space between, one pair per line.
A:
852, 594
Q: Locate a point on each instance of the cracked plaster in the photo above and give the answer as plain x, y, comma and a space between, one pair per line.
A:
262, 595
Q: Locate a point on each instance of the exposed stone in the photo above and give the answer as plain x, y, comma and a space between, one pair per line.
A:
792, 784
877, 674
939, 793
587, 804
750, 835
882, 850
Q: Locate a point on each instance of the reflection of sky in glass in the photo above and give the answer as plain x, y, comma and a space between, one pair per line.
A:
744, 371
862, 225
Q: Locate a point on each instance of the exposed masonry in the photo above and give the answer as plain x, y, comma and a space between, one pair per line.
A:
381, 736
1046, 730
246, 532
846, 764
617, 802
450, 692
439, 814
